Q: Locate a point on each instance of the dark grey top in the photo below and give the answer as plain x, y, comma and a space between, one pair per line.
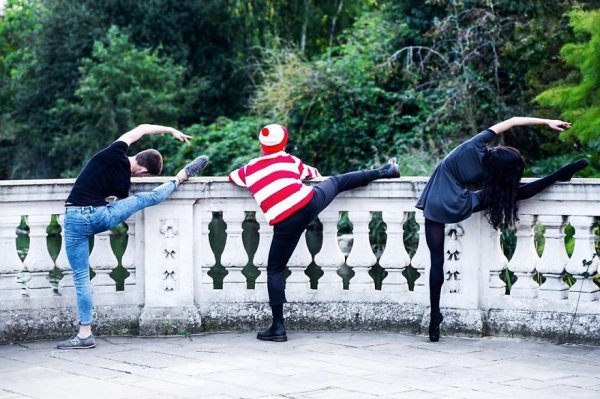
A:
446, 197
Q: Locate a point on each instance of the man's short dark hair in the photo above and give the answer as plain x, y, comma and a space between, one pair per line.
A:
151, 160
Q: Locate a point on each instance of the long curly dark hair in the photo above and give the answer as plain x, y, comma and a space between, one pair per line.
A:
504, 169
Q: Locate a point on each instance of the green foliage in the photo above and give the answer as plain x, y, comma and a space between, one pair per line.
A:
17, 27
43, 45
339, 113
355, 81
120, 86
229, 144
580, 102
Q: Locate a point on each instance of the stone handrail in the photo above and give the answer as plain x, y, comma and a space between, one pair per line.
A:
172, 261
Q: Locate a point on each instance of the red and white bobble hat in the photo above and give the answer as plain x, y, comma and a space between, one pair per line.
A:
273, 138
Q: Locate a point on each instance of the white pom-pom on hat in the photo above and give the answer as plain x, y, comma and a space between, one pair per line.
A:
273, 138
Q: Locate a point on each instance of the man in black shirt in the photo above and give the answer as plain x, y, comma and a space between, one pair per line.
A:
107, 174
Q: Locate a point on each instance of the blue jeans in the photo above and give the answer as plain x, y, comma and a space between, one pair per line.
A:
82, 222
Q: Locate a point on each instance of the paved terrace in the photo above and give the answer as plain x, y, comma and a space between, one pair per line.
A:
309, 365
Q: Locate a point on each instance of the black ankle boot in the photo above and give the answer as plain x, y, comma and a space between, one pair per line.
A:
390, 170
275, 333
434, 327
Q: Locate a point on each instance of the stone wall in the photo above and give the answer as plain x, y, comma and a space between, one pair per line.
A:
197, 262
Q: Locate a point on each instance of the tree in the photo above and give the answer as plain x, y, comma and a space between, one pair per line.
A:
228, 143
580, 101
18, 27
120, 86
214, 40
339, 112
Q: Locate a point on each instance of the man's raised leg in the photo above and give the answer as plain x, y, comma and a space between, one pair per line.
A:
121, 210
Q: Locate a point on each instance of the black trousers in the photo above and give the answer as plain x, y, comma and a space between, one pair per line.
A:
287, 233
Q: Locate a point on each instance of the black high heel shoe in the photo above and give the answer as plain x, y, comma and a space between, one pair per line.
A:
434, 327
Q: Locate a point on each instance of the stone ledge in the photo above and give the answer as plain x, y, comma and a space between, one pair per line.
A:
169, 320
557, 327
47, 323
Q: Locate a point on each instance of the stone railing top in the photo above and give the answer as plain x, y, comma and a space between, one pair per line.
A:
408, 188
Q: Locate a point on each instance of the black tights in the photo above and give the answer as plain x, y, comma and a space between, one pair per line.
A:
434, 231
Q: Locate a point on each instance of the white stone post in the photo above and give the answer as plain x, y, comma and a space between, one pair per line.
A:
103, 261
169, 269
524, 260
330, 258
128, 259
421, 260
554, 259
394, 258
234, 256
361, 257
298, 283
496, 260
10, 263
38, 261
261, 257
583, 260
204, 257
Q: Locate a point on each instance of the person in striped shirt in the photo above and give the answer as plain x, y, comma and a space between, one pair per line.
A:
275, 181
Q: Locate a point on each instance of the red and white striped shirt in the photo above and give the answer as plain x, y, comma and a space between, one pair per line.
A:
275, 180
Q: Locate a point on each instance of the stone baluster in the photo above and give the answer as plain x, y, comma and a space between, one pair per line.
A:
554, 259
524, 260
361, 257
128, 259
206, 258
261, 257
66, 286
10, 263
103, 261
298, 282
584, 261
38, 261
330, 258
394, 258
234, 256
421, 260
498, 262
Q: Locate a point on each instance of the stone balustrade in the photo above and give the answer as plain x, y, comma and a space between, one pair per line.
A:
198, 262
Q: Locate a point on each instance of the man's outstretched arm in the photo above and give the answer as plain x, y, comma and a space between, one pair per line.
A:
135, 134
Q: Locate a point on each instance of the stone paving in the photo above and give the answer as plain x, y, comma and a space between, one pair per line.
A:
310, 365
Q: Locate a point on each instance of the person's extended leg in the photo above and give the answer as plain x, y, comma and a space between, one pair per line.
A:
528, 190
565, 173
77, 234
435, 235
328, 189
121, 210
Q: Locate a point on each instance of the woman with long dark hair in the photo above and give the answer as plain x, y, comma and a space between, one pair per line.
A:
449, 196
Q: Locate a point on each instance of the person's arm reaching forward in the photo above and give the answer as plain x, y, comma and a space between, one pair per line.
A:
503, 126
145, 129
